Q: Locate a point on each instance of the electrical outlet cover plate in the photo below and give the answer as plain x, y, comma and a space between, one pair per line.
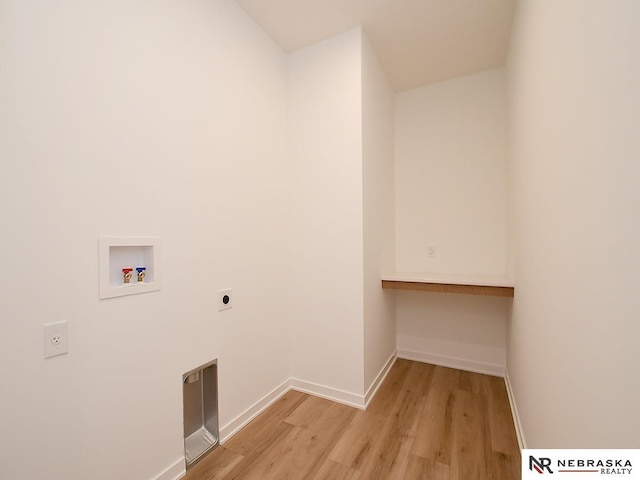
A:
224, 299
56, 339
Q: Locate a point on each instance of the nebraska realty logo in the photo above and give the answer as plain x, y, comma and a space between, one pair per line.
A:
579, 464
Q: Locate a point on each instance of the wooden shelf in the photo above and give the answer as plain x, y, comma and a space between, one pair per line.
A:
444, 283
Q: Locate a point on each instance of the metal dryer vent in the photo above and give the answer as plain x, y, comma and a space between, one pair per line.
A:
200, 407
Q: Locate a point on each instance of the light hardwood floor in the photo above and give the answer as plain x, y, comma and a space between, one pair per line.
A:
425, 423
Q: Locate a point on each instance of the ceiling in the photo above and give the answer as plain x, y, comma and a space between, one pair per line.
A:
418, 42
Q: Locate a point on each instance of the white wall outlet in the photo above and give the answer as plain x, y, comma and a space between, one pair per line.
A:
56, 339
225, 299
431, 251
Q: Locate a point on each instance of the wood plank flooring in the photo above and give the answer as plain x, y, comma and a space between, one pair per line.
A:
425, 423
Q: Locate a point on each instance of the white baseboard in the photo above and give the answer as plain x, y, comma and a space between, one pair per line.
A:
371, 391
514, 412
330, 393
452, 362
340, 396
256, 409
177, 471
174, 472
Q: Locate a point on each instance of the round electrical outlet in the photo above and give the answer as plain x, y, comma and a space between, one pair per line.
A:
225, 299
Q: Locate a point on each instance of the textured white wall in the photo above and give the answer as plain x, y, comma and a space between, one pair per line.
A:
325, 289
574, 170
135, 118
378, 201
450, 189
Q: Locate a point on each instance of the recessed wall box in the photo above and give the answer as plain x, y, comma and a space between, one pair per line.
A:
118, 253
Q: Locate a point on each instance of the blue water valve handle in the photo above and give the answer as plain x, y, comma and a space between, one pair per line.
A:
141, 274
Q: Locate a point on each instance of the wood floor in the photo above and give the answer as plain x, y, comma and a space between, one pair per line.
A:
425, 423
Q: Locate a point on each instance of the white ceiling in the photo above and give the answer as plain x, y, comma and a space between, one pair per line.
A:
418, 42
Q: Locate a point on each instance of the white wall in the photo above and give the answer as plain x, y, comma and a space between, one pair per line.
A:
462, 331
575, 111
451, 176
450, 189
325, 288
136, 118
378, 210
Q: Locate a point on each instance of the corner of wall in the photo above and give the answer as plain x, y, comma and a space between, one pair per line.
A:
514, 412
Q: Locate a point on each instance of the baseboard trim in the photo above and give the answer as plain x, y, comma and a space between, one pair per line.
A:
514, 412
177, 471
371, 391
453, 362
334, 394
174, 472
253, 411
265, 402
